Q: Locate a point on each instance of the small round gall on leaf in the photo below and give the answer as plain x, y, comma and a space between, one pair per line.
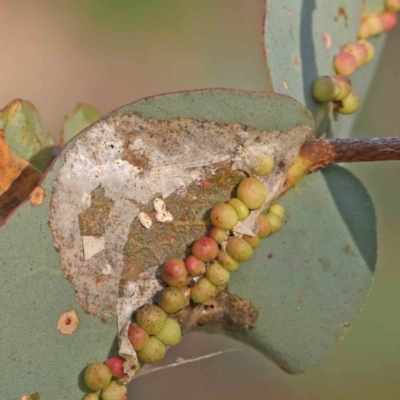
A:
392, 6
278, 210
364, 31
375, 24
345, 63
116, 391
370, 49
89, 396
345, 86
253, 241
264, 165
116, 366
97, 376
174, 273
325, 89
274, 221
205, 249
203, 291
171, 335
137, 336
264, 228
194, 266
218, 235
217, 274
151, 318
239, 249
153, 352
389, 20
241, 210
223, 216
227, 261
359, 52
349, 105
171, 300
251, 192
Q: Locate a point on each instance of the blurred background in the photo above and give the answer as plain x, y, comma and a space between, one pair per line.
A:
108, 53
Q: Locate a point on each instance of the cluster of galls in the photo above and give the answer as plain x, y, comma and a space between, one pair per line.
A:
153, 329
99, 376
209, 266
374, 24
337, 89
215, 256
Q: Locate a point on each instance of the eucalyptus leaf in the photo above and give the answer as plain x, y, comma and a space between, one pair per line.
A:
310, 281
81, 117
301, 38
320, 262
26, 135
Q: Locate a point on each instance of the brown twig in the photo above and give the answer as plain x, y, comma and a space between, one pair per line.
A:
322, 152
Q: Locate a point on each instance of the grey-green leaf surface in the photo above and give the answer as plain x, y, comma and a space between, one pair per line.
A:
81, 117
25, 133
34, 294
318, 264
301, 39
310, 280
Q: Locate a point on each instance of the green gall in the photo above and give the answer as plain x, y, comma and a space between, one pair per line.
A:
239, 249
374, 24
251, 192
253, 241
205, 249
344, 64
171, 300
91, 396
370, 49
203, 291
116, 391
345, 86
218, 235
364, 31
264, 229
274, 221
151, 319
153, 352
227, 261
223, 216
217, 274
264, 165
171, 334
278, 210
349, 105
241, 210
325, 89
97, 376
